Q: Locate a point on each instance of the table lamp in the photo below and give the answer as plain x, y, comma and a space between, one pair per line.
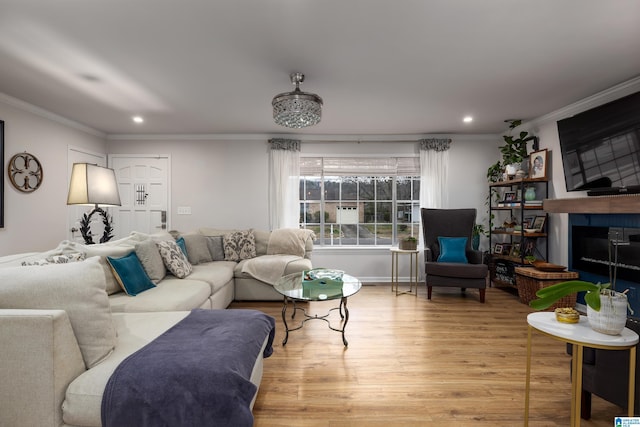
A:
93, 185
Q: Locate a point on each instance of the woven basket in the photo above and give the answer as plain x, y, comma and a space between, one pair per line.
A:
528, 286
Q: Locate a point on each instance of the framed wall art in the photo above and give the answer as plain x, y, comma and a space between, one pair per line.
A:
538, 164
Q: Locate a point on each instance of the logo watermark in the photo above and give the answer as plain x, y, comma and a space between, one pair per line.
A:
626, 421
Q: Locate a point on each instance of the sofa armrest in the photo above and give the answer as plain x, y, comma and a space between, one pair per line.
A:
40, 356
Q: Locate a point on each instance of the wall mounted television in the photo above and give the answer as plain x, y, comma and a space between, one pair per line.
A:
601, 148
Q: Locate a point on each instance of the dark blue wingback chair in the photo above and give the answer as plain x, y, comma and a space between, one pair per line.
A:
452, 223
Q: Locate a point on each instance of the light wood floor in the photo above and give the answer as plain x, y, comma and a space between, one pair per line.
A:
451, 361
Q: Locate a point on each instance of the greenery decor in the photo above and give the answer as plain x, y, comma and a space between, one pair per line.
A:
549, 295
513, 151
408, 243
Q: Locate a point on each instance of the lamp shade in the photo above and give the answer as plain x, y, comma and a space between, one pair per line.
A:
93, 185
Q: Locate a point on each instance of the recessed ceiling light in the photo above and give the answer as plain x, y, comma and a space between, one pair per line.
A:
467, 119
137, 119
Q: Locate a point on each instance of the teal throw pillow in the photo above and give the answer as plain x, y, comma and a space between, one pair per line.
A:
182, 245
130, 274
452, 249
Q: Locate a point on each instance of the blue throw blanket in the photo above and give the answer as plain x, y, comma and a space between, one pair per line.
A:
195, 374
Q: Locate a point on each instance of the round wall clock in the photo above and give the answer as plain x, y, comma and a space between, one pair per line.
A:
25, 172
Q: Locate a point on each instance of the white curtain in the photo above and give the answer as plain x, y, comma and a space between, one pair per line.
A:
284, 183
434, 172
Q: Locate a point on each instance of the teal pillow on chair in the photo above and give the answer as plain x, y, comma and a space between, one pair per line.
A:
452, 249
130, 274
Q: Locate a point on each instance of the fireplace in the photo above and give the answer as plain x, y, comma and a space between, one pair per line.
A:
598, 242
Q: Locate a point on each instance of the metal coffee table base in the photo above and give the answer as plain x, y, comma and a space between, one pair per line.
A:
342, 309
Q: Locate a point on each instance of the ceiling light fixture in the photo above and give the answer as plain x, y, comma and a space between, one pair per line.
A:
137, 119
467, 119
297, 109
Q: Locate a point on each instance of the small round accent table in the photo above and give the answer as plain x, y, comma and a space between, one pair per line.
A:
413, 270
579, 335
291, 287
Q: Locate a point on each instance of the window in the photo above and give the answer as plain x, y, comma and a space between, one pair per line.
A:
360, 201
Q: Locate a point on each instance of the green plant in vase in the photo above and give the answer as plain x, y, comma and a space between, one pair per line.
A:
514, 151
606, 308
408, 243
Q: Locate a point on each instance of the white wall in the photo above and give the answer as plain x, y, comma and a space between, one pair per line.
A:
546, 128
225, 184
37, 221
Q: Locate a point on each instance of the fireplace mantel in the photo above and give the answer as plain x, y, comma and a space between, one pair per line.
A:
622, 204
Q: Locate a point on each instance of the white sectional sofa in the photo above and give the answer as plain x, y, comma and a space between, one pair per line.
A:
65, 328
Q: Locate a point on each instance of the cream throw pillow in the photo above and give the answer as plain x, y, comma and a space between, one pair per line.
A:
149, 256
78, 288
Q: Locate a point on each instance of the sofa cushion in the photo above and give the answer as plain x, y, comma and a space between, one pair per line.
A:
262, 241
216, 274
130, 274
115, 251
174, 259
239, 245
214, 243
197, 248
455, 270
78, 288
149, 256
83, 398
171, 294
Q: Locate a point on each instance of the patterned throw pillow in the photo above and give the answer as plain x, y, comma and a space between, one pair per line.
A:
57, 259
174, 259
239, 245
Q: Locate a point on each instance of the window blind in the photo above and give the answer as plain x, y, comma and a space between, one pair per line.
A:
359, 166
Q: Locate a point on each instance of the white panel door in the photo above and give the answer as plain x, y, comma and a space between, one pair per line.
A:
74, 213
144, 193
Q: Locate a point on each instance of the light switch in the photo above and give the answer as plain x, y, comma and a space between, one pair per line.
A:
184, 210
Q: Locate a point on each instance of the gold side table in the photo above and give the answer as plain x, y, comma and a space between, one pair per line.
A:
579, 335
413, 270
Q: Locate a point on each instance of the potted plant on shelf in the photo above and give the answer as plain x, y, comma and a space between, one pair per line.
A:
408, 244
513, 152
478, 230
606, 308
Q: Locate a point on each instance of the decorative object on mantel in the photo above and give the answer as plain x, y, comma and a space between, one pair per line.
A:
25, 172
297, 109
513, 153
93, 185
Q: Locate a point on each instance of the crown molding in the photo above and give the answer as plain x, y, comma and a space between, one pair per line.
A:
618, 91
38, 111
302, 137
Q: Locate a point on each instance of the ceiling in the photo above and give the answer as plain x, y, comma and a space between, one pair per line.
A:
382, 67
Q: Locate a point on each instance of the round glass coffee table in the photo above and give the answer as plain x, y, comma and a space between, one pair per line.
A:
291, 287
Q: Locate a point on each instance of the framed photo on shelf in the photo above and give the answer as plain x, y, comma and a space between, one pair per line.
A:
538, 164
515, 250
506, 249
527, 222
528, 247
497, 249
509, 196
538, 223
